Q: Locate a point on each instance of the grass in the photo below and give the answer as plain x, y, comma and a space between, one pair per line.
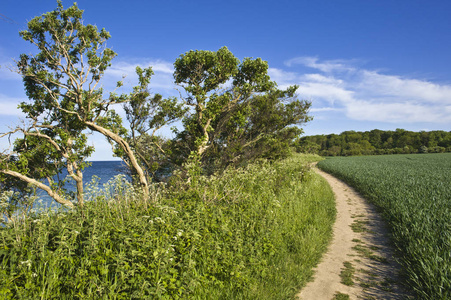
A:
252, 233
366, 252
341, 296
347, 274
413, 193
359, 226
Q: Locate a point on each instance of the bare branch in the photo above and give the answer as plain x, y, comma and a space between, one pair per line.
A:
10, 133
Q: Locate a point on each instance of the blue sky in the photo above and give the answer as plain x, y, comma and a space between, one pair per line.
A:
364, 64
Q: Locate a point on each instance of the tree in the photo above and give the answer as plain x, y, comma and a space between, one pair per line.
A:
235, 108
146, 115
62, 82
261, 127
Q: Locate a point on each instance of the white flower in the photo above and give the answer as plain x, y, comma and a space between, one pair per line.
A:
27, 263
158, 219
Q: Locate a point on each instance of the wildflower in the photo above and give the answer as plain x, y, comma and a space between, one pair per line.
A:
160, 220
27, 263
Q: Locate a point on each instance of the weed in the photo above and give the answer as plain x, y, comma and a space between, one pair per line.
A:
341, 296
358, 226
347, 274
366, 252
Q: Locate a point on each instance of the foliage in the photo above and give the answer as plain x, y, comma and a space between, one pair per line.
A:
252, 233
147, 114
16, 200
54, 80
350, 143
63, 83
232, 113
237, 112
414, 195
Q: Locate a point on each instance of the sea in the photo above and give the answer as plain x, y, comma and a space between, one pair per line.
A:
103, 170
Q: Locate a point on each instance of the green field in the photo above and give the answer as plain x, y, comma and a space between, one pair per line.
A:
414, 194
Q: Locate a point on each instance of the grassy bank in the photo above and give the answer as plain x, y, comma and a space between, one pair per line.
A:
414, 194
253, 233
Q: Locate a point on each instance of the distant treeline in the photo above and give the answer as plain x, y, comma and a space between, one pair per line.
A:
376, 142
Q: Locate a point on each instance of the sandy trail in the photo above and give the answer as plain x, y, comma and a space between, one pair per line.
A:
360, 241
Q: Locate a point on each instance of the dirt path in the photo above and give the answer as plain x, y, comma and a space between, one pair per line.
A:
359, 261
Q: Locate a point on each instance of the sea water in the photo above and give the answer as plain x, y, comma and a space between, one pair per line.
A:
103, 170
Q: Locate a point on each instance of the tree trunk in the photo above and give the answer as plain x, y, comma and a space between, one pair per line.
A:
79, 182
128, 151
206, 138
40, 185
78, 177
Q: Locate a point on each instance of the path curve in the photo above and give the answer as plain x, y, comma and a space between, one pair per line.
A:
360, 246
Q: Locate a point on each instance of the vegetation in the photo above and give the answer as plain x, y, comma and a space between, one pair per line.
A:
232, 113
350, 143
233, 124
224, 225
341, 296
62, 82
347, 273
413, 193
252, 233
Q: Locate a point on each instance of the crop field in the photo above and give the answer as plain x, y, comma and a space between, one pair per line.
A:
414, 194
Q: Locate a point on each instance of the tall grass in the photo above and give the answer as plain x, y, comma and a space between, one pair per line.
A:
414, 194
252, 233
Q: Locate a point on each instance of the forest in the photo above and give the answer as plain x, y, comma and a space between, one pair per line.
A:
376, 142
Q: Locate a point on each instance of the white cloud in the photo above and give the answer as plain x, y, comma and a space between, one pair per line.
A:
161, 81
325, 66
8, 106
282, 77
367, 95
322, 79
325, 109
324, 91
397, 112
413, 89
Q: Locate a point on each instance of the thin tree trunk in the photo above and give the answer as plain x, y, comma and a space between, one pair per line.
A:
128, 151
40, 185
204, 145
78, 177
79, 182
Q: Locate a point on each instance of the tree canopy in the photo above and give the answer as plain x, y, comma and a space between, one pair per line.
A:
63, 83
237, 113
376, 142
